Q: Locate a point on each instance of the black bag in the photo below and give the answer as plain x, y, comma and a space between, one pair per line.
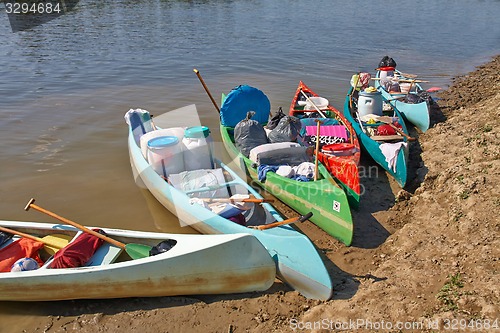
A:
387, 62
275, 119
287, 130
4, 237
249, 134
162, 247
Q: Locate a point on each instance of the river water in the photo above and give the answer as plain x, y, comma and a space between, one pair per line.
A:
66, 84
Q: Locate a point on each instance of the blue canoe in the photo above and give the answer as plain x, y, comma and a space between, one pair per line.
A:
298, 263
416, 114
373, 147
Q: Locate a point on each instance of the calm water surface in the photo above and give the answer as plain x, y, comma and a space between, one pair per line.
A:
67, 84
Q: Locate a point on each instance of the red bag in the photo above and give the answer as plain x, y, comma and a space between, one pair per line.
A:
21, 248
386, 130
78, 252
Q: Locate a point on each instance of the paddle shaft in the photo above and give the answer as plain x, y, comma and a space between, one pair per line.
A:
312, 103
253, 200
22, 234
403, 80
353, 90
76, 225
324, 116
206, 89
288, 221
317, 149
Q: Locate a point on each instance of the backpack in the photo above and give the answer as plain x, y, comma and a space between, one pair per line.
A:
387, 62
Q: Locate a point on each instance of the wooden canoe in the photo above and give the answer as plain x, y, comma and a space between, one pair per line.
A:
373, 147
298, 263
416, 114
196, 264
324, 197
343, 167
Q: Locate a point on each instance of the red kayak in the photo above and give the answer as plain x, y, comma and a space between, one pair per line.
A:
340, 151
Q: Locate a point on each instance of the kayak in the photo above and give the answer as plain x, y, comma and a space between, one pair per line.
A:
416, 113
389, 151
297, 261
340, 158
195, 264
323, 197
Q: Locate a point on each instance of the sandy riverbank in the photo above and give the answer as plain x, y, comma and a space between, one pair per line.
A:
429, 255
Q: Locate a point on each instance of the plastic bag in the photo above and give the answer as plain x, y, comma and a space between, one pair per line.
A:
276, 119
287, 130
387, 62
249, 134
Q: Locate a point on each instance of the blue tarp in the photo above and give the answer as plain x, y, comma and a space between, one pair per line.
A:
242, 99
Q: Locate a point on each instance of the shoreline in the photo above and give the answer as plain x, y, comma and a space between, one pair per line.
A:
425, 255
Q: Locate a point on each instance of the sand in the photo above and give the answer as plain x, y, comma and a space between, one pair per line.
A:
423, 259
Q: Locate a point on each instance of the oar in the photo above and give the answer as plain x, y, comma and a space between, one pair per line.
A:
317, 150
135, 251
253, 200
403, 80
206, 88
353, 90
381, 119
314, 105
53, 243
288, 221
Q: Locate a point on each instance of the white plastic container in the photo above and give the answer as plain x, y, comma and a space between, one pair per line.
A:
165, 155
320, 102
405, 87
174, 131
254, 153
370, 103
198, 147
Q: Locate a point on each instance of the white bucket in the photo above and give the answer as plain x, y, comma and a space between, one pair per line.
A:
198, 146
405, 87
320, 102
165, 155
174, 131
370, 103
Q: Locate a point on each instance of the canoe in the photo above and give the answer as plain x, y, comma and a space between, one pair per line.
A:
343, 164
373, 144
324, 197
414, 113
297, 261
196, 264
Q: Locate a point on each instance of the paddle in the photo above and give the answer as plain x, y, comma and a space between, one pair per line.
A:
324, 116
403, 80
206, 88
253, 200
288, 221
312, 103
353, 90
53, 243
135, 251
389, 122
317, 150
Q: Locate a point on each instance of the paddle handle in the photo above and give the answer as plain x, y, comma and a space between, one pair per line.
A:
197, 72
288, 221
22, 234
76, 225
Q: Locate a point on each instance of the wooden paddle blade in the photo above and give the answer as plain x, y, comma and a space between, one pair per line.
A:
137, 251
